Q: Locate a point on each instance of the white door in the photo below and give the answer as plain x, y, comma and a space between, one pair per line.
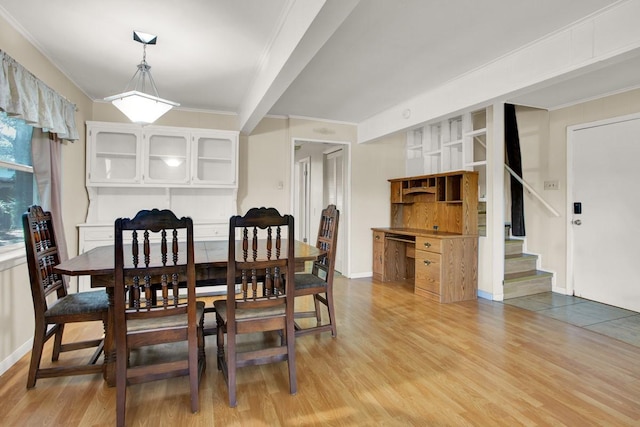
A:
606, 253
334, 188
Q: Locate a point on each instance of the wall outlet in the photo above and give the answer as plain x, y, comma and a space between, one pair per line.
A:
552, 185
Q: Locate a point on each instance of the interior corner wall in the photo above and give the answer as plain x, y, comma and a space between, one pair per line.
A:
544, 139
372, 165
264, 165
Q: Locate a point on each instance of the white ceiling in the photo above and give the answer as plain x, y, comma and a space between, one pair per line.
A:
343, 60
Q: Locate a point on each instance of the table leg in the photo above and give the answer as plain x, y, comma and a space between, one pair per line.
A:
109, 372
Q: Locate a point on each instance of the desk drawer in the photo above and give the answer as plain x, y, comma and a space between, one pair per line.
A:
428, 244
428, 272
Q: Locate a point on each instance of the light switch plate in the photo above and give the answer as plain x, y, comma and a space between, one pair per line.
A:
552, 185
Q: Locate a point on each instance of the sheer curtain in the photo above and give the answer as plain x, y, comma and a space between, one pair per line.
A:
24, 96
46, 150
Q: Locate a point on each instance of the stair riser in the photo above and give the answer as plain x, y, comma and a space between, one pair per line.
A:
517, 265
527, 287
513, 247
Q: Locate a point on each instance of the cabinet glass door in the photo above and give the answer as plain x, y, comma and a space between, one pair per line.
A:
214, 160
115, 157
167, 157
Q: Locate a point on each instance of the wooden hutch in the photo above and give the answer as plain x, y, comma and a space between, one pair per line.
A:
433, 237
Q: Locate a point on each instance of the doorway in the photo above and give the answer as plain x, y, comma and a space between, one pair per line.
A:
603, 206
321, 171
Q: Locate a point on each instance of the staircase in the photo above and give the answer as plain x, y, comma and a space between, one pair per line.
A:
521, 277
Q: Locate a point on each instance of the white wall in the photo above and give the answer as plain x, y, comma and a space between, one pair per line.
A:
544, 153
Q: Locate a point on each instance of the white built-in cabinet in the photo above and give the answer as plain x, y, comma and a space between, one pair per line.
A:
128, 154
451, 144
193, 172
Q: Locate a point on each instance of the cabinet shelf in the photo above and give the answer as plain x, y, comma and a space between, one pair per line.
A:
452, 143
433, 153
478, 163
215, 159
118, 155
166, 156
476, 132
431, 190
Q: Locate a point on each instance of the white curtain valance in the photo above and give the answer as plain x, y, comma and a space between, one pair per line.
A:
24, 96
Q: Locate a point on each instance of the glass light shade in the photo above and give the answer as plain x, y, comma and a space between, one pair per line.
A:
140, 107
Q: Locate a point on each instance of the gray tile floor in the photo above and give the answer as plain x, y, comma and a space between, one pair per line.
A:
615, 322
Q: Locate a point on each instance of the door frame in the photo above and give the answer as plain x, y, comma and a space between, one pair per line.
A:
301, 198
345, 214
570, 288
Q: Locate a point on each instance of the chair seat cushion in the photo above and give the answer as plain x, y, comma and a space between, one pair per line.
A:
79, 303
165, 321
221, 311
308, 280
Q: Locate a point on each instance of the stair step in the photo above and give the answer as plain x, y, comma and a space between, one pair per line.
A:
519, 263
526, 283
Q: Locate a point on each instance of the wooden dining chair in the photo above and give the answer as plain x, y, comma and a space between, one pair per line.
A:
151, 268
319, 282
258, 262
53, 305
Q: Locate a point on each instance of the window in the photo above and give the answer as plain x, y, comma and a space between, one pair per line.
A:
18, 189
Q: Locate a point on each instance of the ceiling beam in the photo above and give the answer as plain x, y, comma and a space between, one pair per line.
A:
305, 29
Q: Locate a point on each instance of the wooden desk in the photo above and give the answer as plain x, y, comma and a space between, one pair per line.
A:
443, 266
211, 265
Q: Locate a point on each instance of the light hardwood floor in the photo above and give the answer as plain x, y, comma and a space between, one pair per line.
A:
398, 360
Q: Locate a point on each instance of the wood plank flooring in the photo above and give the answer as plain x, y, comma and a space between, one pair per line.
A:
398, 360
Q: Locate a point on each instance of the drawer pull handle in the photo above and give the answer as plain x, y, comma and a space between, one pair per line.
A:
427, 245
427, 262
377, 237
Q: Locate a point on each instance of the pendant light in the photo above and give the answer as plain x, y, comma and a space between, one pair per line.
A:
139, 105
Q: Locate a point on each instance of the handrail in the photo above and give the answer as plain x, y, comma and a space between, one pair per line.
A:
532, 191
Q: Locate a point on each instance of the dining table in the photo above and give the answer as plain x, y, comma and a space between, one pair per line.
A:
211, 266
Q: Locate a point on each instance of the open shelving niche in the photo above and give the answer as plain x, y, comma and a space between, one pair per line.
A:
453, 144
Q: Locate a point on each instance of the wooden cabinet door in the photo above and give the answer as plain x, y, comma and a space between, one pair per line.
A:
378, 255
396, 192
